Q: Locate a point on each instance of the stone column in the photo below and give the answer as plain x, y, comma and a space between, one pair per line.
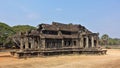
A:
43, 43
87, 42
35, 44
62, 43
38, 43
21, 43
77, 43
32, 43
59, 33
26, 43
92, 41
72, 44
81, 42
97, 41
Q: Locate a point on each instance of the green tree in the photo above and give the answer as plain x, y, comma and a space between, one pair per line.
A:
22, 28
5, 31
105, 39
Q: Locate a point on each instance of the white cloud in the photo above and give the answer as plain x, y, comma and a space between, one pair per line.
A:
32, 16
29, 14
59, 9
23, 8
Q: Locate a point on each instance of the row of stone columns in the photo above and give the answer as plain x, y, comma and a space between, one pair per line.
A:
43, 42
24, 42
71, 43
92, 42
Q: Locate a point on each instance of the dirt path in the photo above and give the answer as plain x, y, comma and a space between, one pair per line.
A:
111, 60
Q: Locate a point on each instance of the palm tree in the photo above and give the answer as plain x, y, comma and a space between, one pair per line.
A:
105, 39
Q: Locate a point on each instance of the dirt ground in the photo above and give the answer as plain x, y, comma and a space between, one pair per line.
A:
111, 60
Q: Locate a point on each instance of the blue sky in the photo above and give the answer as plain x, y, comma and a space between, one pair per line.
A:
101, 16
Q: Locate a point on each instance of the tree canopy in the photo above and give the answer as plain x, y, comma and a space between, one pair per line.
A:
6, 31
22, 28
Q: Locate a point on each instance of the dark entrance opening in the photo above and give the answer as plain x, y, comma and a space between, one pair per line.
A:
84, 42
95, 43
29, 46
89, 43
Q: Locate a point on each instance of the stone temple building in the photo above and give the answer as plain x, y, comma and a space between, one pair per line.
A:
57, 37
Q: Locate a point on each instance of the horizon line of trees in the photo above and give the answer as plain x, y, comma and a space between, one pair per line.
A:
106, 40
